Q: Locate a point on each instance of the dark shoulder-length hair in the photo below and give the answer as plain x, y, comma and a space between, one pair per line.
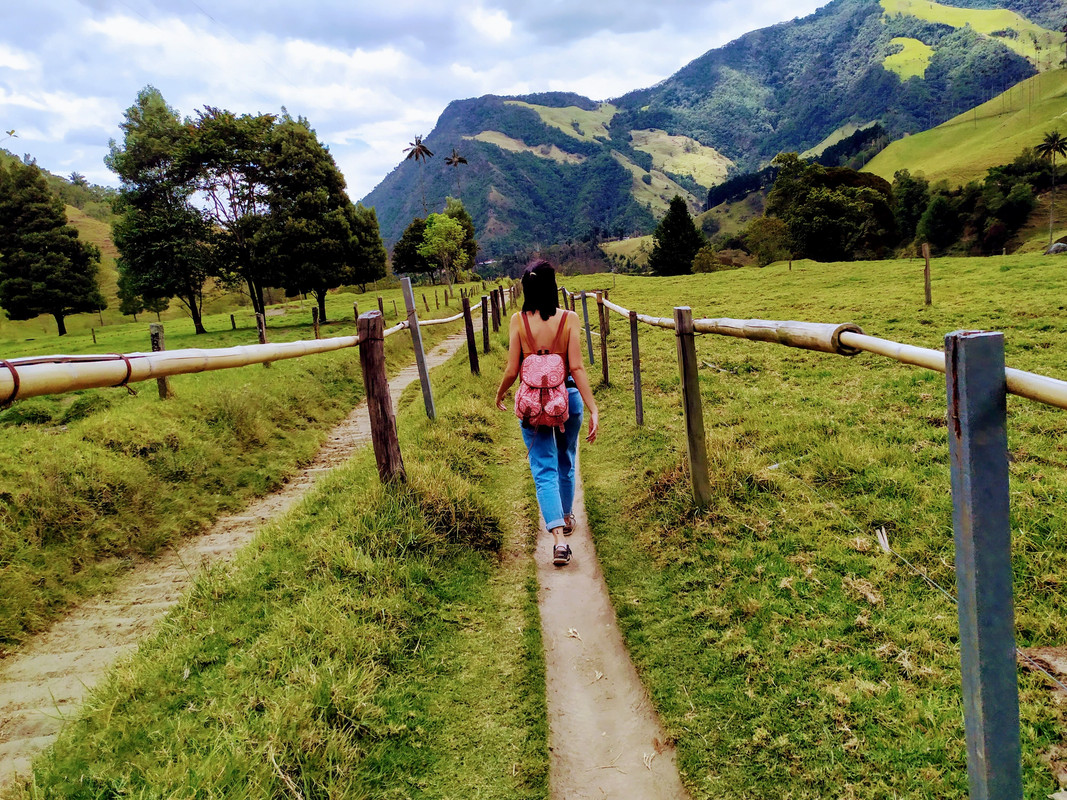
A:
539, 292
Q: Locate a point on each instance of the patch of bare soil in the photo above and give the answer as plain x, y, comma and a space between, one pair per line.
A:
43, 684
605, 737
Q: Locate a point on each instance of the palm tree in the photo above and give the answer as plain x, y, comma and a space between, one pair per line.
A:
417, 151
455, 160
1054, 144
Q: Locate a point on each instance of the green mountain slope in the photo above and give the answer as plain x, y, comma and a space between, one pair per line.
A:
964, 147
550, 167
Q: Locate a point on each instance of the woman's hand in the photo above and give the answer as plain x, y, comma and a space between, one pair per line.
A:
594, 424
500, 404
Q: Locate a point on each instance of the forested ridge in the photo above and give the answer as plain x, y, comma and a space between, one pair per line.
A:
784, 88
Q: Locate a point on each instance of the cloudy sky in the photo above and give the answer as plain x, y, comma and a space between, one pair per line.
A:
368, 75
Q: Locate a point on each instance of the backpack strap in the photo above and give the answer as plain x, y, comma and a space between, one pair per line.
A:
529, 334
559, 344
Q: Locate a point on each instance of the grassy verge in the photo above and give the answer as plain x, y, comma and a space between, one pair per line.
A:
90, 480
376, 642
782, 647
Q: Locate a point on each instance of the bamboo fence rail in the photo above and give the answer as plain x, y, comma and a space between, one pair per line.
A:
848, 339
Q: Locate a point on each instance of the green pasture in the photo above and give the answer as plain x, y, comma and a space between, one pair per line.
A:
574, 121
784, 650
912, 59
1007, 27
375, 642
92, 479
964, 147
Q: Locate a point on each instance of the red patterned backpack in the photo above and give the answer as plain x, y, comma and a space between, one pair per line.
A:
541, 398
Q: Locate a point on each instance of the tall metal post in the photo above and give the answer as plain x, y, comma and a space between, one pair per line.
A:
978, 451
416, 343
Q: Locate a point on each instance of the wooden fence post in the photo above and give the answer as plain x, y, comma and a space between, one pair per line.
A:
395, 312
472, 344
926, 271
588, 333
371, 329
261, 328
93, 332
233, 322
426, 302
494, 298
381, 308
446, 297
607, 317
691, 405
155, 334
635, 352
602, 313
355, 312
315, 321
437, 300
978, 454
416, 343
485, 323
566, 300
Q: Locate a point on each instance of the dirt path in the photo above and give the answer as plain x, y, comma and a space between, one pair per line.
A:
604, 735
44, 683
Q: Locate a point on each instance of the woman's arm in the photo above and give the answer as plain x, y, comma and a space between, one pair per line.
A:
581, 380
511, 371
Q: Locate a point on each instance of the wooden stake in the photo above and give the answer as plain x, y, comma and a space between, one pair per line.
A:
416, 343
607, 316
355, 312
692, 406
437, 300
395, 312
926, 271
371, 329
602, 312
635, 352
426, 302
315, 321
495, 300
155, 335
472, 344
261, 328
485, 323
588, 332
381, 308
93, 331
233, 322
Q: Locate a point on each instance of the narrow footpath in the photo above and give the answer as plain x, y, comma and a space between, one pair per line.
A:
45, 682
605, 738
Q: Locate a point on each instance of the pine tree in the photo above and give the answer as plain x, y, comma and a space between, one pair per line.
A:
44, 267
675, 242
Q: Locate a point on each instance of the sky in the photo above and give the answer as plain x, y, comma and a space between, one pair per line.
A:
369, 76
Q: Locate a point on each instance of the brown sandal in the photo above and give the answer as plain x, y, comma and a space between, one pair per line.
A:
561, 554
569, 523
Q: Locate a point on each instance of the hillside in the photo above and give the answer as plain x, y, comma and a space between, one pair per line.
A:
964, 147
550, 167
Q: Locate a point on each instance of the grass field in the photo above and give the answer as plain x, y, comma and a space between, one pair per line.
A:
376, 642
574, 121
1029, 40
912, 60
964, 147
783, 648
92, 479
550, 152
682, 156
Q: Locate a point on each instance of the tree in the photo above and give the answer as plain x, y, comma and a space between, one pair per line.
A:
163, 240
442, 245
911, 194
454, 161
417, 151
940, 223
454, 209
307, 233
675, 242
407, 259
368, 259
44, 267
767, 238
1054, 144
130, 302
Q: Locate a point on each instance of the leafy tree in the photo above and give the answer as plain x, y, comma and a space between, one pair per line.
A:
767, 238
227, 156
157, 305
454, 161
911, 194
940, 223
368, 259
454, 209
407, 258
130, 302
1054, 144
442, 245
44, 267
307, 233
161, 237
675, 242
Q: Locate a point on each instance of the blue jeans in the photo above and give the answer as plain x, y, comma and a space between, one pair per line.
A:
552, 455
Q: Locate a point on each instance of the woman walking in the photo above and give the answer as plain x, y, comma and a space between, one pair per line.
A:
544, 330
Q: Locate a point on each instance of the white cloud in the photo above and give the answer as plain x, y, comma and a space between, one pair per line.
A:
11, 58
493, 24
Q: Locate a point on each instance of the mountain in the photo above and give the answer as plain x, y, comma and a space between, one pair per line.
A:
549, 167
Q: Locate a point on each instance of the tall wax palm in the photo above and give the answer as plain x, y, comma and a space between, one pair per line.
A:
1054, 144
417, 151
455, 160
